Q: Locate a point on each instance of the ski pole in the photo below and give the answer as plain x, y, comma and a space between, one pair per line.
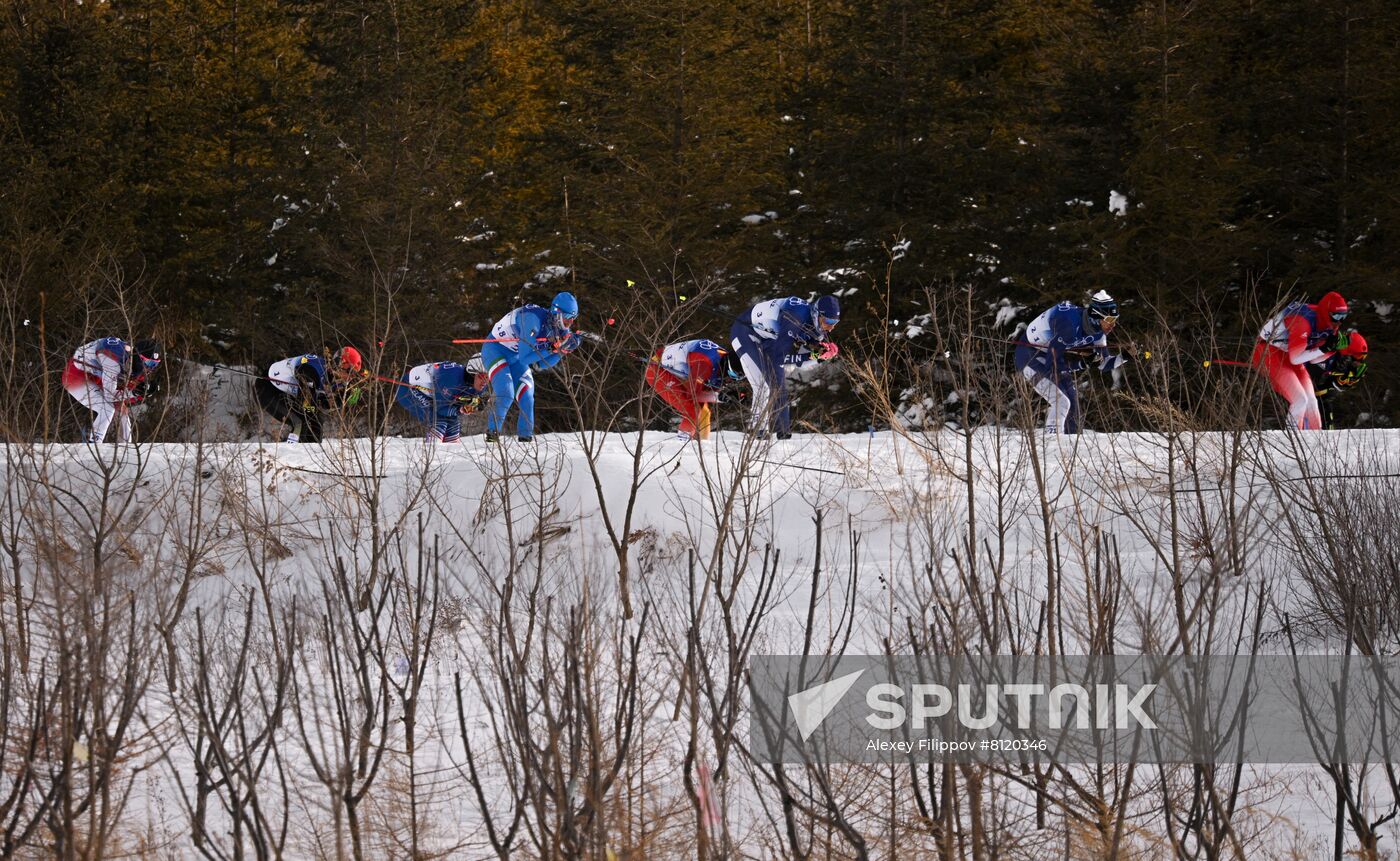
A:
588, 336
1206, 363
795, 466
391, 380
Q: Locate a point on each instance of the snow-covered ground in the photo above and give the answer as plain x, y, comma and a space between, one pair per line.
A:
1001, 542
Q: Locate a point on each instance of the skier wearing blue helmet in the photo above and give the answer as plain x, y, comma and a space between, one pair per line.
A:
1059, 343
529, 336
772, 335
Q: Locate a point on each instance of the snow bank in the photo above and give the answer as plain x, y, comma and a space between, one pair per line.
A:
857, 540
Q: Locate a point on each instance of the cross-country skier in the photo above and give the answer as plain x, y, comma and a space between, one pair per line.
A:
108, 376
299, 389
1057, 344
1294, 337
773, 334
528, 337
1337, 373
438, 394
688, 376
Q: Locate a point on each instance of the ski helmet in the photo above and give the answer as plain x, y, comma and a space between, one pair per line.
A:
564, 311
1356, 347
149, 351
348, 358
827, 313
1102, 310
1332, 309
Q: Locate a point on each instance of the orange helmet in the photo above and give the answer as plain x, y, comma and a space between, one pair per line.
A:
1356, 346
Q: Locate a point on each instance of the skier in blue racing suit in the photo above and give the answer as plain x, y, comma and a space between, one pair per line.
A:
1057, 344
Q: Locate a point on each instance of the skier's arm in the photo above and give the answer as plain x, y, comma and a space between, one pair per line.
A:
1063, 332
780, 349
701, 372
1299, 353
1108, 360
806, 334
111, 375
529, 345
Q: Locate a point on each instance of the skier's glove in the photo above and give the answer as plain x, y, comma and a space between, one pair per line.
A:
1336, 341
1350, 377
827, 351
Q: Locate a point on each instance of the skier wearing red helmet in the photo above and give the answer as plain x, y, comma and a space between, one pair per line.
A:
1337, 373
1294, 337
299, 389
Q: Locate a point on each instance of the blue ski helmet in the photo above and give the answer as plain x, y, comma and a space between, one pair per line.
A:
564, 311
826, 313
1102, 309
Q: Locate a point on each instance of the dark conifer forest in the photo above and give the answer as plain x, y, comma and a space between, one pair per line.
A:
248, 178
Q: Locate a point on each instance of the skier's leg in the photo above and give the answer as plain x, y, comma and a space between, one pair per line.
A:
1057, 417
782, 413
751, 359
525, 397
447, 426
1326, 408
1069, 402
106, 411
272, 400
1292, 383
123, 422
1312, 415
279, 405
676, 393
762, 393
313, 428
1297, 390
88, 392
497, 361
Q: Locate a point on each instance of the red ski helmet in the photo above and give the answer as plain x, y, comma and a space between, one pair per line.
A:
1332, 310
349, 357
1356, 347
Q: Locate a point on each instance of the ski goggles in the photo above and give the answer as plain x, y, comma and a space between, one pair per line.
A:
1338, 316
564, 321
150, 363
828, 323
